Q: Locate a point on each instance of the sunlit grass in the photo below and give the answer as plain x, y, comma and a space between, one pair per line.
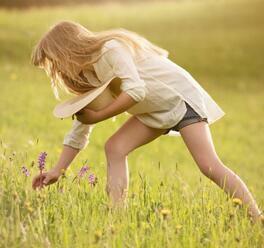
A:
171, 203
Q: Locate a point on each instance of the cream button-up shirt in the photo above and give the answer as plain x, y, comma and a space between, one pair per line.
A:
158, 85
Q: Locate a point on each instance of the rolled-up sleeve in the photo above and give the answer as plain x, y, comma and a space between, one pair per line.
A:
78, 136
121, 61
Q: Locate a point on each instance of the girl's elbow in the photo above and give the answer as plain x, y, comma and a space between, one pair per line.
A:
138, 93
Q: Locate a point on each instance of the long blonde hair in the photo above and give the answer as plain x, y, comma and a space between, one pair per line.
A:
69, 49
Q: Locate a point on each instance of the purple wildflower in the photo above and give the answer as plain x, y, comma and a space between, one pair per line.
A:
42, 160
92, 179
83, 170
25, 171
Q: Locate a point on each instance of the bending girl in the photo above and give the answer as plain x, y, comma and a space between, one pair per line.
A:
162, 97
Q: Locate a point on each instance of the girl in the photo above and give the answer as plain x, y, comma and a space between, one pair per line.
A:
162, 97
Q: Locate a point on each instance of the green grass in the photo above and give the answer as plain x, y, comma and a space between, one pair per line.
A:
221, 43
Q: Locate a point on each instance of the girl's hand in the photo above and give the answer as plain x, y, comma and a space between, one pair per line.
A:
88, 116
45, 178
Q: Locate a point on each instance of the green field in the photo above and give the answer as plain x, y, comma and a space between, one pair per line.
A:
221, 43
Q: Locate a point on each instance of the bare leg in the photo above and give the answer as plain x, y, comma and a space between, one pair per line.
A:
131, 135
198, 140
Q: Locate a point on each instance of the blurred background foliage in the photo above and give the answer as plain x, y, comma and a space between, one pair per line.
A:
28, 3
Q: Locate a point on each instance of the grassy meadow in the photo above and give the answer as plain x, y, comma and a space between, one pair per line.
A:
221, 43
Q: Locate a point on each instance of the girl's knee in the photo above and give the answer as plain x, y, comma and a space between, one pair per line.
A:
209, 166
116, 148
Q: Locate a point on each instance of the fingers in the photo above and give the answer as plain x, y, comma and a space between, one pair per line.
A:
46, 180
38, 181
43, 179
35, 181
80, 112
81, 118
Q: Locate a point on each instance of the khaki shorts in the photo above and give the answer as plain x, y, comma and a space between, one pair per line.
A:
190, 117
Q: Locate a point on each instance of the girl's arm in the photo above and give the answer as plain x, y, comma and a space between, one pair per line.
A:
122, 103
74, 141
67, 155
78, 136
133, 88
